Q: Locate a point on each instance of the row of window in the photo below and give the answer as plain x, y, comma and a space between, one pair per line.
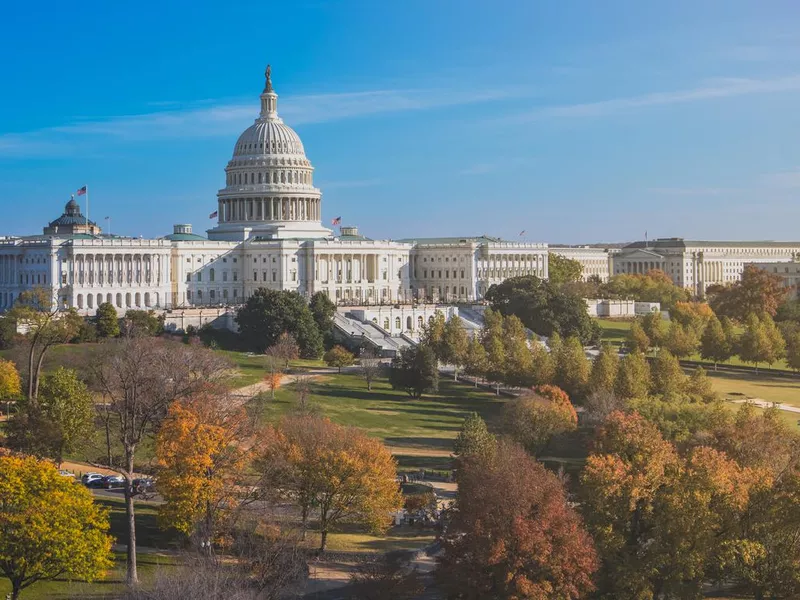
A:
277, 177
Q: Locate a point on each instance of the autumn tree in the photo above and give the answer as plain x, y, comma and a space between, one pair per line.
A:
533, 420
715, 344
106, 321
572, 368
201, 452
792, 339
49, 527
636, 339
345, 475
414, 371
656, 329
10, 382
757, 292
139, 378
653, 286
518, 364
474, 438
561, 269
493, 340
274, 367
46, 326
369, 365
339, 357
681, 340
633, 377
476, 362
694, 315
285, 349
512, 535
543, 368
755, 344
667, 377
455, 344
603, 375
433, 334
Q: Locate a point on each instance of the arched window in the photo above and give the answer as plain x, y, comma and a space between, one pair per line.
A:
138, 299
128, 300
89, 301
397, 323
108, 298
386, 324
80, 300
409, 323
420, 322
211, 274
99, 300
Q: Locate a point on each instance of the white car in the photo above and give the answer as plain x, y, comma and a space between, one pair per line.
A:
90, 477
65, 473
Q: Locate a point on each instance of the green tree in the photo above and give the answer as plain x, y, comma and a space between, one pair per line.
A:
107, 321
269, 313
339, 357
637, 340
433, 335
455, 344
474, 438
668, 378
492, 338
572, 368
323, 309
681, 340
656, 329
777, 344
700, 388
476, 363
67, 402
633, 377
543, 368
604, 369
414, 370
755, 345
793, 349
561, 269
143, 323
49, 527
518, 363
715, 344
8, 332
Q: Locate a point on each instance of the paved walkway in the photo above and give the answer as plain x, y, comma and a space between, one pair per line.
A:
764, 404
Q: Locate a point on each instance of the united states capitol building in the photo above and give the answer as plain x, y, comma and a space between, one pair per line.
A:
269, 234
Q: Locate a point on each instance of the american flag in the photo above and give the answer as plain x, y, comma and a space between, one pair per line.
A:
81, 191
523, 232
213, 215
336, 221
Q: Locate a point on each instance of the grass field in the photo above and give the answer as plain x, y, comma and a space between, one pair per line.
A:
736, 386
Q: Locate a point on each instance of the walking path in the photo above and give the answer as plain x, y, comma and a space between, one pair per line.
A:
764, 404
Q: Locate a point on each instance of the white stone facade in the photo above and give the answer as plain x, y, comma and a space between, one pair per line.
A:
788, 271
696, 265
596, 262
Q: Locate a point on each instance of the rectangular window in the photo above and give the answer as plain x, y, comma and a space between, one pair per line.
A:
199, 276
263, 275
274, 276
255, 276
235, 276
224, 276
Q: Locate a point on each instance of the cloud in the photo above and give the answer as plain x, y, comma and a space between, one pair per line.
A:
717, 88
227, 119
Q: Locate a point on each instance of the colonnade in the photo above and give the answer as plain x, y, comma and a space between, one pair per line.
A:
346, 268
640, 267
500, 265
269, 209
116, 269
9, 268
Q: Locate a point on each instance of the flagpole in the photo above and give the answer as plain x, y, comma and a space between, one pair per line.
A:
87, 210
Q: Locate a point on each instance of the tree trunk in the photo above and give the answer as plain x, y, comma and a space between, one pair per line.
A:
304, 520
108, 438
323, 542
455, 373
132, 573
30, 371
38, 375
16, 588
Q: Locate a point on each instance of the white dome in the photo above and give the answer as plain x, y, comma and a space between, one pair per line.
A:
268, 137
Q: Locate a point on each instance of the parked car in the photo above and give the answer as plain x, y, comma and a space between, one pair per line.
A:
65, 473
89, 478
113, 481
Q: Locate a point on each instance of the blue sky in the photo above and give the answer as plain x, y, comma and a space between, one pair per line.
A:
576, 121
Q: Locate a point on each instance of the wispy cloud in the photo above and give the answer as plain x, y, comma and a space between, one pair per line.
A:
714, 89
229, 118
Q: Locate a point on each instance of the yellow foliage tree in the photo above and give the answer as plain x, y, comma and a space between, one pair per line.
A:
201, 449
49, 527
10, 383
340, 471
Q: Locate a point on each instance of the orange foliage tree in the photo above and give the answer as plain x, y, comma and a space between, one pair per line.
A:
533, 420
202, 448
513, 535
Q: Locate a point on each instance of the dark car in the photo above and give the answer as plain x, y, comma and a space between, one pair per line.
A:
111, 482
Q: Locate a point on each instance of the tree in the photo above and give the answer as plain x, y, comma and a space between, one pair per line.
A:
49, 527
715, 344
433, 334
269, 313
8, 332
454, 344
201, 451
387, 578
637, 340
61, 422
285, 349
10, 382
633, 378
604, 369
544, 307
755, 345
792, 350
476, 362
757, 292
474, 438
414, 371
513, 536
140, 377
339, 357
274, 367
45, 327
694, 315
492, 338
106, 321
653, 286
518, 366
322, 309
369, 366
561, 269
345, 475
572, 368
776, 342
656, 329
532, 421
142, 323
681, 340
668, 378
699, 387
543, 368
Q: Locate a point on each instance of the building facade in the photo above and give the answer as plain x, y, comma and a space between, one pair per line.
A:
788, 271
269, 234
696, 265
596, 262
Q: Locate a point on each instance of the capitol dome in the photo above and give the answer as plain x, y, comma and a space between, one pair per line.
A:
269, 187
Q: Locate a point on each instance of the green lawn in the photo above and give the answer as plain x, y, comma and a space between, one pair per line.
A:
740, 386
614, 331
250, 367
